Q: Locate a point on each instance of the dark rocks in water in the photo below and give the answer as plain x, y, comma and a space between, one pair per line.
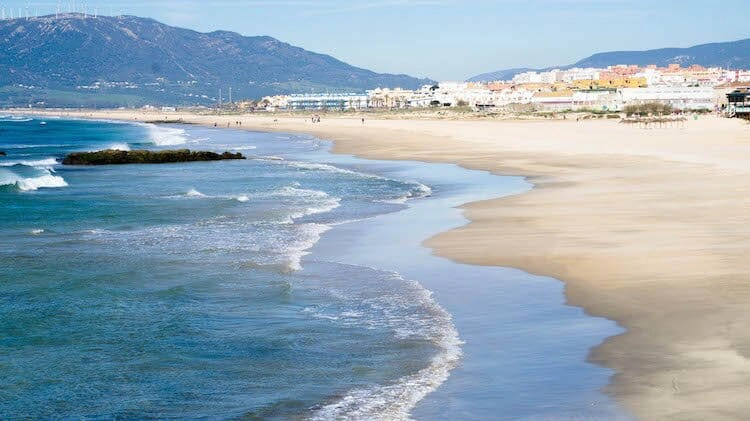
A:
116, 157
2, 153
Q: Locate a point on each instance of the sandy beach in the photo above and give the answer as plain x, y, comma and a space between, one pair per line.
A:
647, 227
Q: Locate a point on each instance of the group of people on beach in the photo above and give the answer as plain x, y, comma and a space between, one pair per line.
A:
236, 123
315, 118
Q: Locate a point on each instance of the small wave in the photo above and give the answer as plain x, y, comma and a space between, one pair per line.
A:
423, 190
268, 158
417, 191
16, 120
119, 147
309, 235
323, 201
242, 198
23, 146
37, 231
235, 147
194, 193
38, 163
312, 166
166, 136
326, 206
296, 191
394, 401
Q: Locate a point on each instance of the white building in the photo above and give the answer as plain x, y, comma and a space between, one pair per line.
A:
347, 101
574, 74
679, 97
527, 77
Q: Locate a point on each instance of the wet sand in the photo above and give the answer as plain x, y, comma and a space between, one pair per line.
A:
647, 227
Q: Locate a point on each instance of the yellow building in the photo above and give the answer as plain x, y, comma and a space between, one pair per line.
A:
611, 82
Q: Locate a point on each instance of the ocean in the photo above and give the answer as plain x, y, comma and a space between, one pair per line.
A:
291, 285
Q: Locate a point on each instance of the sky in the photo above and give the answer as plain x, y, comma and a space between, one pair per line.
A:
444, 39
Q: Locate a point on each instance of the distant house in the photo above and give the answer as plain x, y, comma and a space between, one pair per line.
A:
739, 103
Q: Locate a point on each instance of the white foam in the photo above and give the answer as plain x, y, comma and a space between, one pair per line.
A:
119, 147
166, 136
324, 207
323, 202
394, 401
235, 148
194, 193
37, 231
423, 190
45, 181
39, 163
16, 120
418, 191
242, 198
29, 183
14, 146
295, 191
313, 166
309, 235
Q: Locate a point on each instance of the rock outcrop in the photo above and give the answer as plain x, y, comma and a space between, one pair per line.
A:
117, 157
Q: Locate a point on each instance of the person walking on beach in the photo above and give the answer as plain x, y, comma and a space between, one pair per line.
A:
363, 120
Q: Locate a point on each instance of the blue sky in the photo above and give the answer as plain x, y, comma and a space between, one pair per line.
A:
447, 39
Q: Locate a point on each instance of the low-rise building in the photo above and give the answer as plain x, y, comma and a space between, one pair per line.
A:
345, 101
679, 97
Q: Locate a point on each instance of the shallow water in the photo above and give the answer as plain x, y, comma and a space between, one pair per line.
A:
205, 290
524, 350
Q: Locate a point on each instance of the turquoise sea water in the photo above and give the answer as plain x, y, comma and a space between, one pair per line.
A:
204, 290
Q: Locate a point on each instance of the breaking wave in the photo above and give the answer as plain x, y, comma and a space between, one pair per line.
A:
194, 193
29, 175
119, 147
430, 322
39, 163
30, 183
166, 136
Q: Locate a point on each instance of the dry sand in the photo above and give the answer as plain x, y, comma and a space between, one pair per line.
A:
650, 228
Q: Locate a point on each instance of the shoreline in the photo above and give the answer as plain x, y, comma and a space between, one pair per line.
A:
489, 305
628, 218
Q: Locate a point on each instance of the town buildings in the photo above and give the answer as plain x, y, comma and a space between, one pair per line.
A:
594, 89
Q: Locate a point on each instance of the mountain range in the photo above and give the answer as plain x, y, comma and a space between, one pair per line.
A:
79, 60
731, 55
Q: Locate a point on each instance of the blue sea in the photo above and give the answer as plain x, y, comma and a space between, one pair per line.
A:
291, 285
